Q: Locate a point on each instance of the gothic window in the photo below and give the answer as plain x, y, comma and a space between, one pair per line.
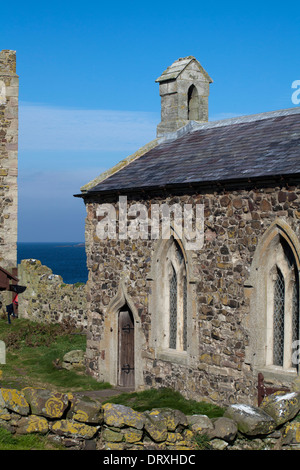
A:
278, 319
295, 319
177, 292
184, 313
285, 307
171, 304
173, 309
273, 289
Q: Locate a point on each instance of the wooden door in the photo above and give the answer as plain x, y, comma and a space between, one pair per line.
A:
126, 349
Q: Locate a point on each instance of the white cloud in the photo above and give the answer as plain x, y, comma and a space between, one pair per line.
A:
43, 127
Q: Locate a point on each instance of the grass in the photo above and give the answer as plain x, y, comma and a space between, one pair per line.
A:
166, 398
32, 349
9, 441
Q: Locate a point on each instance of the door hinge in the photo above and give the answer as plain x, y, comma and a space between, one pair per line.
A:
127, 328
126, 368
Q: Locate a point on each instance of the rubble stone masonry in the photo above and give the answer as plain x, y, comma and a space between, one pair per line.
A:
9, 88
219, 370
47, 299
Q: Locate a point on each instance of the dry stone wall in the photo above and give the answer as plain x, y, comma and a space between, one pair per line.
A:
47, 298
82, 422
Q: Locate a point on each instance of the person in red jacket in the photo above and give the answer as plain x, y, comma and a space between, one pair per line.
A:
15, 305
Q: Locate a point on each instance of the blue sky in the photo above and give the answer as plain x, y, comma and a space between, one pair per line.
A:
88, 96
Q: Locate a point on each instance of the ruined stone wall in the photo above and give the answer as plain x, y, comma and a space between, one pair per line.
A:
234, 223
47, 298
9, 88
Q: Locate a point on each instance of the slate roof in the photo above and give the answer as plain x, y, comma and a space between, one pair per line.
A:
250, 147
174, 70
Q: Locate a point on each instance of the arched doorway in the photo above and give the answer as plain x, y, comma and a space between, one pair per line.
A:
118, 347
126, 361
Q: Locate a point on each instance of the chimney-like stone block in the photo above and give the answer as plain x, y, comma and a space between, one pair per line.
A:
174, 86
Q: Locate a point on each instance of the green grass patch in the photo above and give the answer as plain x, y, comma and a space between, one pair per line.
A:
166, 398
9, 441
33, 351
202, 442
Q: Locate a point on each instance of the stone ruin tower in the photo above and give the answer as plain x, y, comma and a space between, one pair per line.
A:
184, 90
9, 88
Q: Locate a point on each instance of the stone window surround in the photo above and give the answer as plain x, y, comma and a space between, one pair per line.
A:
260, 289
163, 258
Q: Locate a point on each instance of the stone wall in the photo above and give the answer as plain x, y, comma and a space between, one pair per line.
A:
47, 298
220, 368
82, 422
9, 88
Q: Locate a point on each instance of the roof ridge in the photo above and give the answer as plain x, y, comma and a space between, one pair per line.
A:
196, 125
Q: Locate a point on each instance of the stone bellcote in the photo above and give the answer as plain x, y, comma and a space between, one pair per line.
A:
184, 90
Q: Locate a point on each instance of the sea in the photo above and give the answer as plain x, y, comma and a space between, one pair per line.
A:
66, 259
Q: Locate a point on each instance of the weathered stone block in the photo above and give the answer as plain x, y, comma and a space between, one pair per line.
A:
291, 434
132, 435
282, 406
250, 420
32, 424
46, 403
2, 353
86, 410
110, 435
73, 359
224, 428
15, 400
156, 425
4, 414
200, 424
74, 429
120, 416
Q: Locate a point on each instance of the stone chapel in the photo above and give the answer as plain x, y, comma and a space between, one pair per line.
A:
204, 319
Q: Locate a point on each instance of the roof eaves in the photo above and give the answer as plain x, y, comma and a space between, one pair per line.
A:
225, 183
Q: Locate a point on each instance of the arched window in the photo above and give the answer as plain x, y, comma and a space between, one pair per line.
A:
173, 309
171, 304
177, 291
283, 305
296, 312
278, 319
275, 302
193, 104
